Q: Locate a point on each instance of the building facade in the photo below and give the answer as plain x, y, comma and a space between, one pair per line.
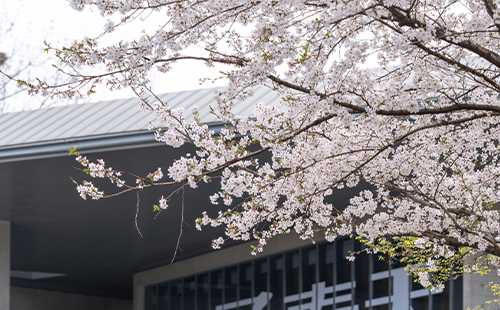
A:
310, 277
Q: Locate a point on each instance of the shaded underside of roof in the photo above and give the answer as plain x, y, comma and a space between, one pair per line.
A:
111, 118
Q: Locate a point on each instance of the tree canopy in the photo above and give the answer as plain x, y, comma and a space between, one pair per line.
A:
403, 95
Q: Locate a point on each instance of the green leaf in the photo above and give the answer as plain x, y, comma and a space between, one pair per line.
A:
73, 150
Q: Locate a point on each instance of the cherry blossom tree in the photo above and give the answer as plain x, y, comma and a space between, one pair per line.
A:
402, 95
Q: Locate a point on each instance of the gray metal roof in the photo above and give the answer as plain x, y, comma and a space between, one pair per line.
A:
109, 118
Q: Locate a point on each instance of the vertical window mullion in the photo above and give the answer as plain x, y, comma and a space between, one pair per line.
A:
370, 272
285, 271
430, 300
301, 285
156, 297
317, 275
390, 290
182, 294
353, 277
196, 292
209, 290
284, 279
253, 282
223, 287
268, 276
452, 291
334, 244
409, 293
238, 286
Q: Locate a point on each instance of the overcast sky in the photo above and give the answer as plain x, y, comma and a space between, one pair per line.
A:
56, 22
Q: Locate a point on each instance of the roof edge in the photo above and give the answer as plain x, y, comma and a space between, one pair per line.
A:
89, 144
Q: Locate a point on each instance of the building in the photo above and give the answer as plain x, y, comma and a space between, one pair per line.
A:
58, 251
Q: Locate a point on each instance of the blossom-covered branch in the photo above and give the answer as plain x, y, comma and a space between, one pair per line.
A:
400, 95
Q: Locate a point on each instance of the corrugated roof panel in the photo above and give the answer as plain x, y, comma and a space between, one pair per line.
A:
119, 114
135, 120
145, 118
121, 122
7, 119
204, 105
190, 99
182, 99
167, 97
58, 123
111, 117
246, 107
92, 118
19, 132
260, 94
187, 99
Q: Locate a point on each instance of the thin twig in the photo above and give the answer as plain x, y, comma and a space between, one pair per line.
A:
182, 223
136, 213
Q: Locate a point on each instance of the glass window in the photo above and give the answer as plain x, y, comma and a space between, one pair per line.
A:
308, 268
260, 278
416, 286
202, 293
326, 263
246, 286
344, 248
442, 301
362, 278
276, 279
176, 294
344, 268
189, 293
163, 296
380, 288
457, 293
380, 279
292, 281
421, 303
292, 273
325, 276
216, 288
380, 262
231, 285
150, 298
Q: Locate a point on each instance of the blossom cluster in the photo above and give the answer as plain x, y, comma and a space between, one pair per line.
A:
88, 189
98, 170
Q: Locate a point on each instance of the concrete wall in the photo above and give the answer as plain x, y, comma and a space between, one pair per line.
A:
476, 293
35, 299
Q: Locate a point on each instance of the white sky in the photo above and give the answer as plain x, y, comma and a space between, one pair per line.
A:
57, 23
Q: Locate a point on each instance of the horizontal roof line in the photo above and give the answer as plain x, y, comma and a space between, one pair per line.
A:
87, 145
42, 128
